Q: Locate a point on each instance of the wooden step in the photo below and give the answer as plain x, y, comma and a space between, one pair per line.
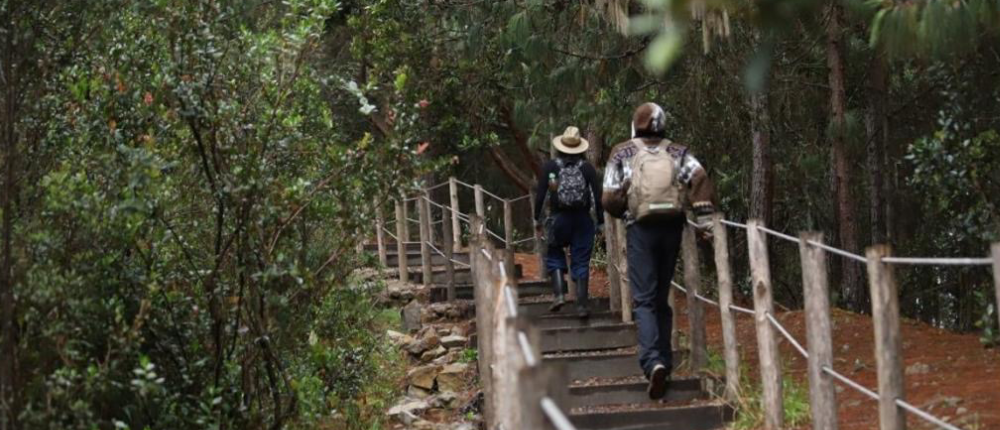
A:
571, 320
612, 336
413, 259
463, 275
439, 293
703, 417
613, 365
623, 393
541, 308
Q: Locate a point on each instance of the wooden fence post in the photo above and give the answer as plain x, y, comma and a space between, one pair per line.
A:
695, 311
610, 248
480, 204
996, 276
725, 278
456, 222
822, 392
449, 256
533, 382
621, 248
423, 209
380, 236
401, 252
482, 272
508, 237
888, 357
767, 345
406, 221
540, 247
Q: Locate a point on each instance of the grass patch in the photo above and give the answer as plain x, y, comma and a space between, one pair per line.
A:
750, 408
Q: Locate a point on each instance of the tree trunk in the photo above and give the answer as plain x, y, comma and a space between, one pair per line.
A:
850, 281
760, 187
595, 154
520, 179
877, 133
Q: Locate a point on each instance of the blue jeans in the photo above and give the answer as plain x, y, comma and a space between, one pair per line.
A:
652, 257
574, 229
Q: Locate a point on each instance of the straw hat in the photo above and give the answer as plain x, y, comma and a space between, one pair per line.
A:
570, 142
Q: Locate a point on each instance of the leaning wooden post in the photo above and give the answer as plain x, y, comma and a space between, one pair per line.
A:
508, 238
533, 379
996, 275
380, 236
767, 345
614, 278
480, 203
621, 248
888, 354
401, 251
482, 272
449, 263
456, 222
822, 392
695, 311
724, 272
423, 210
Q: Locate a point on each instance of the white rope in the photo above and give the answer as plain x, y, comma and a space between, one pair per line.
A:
465, 184
747, 311
734, 224
556, 415
390, 233
529, 354
518, 242
497, 236
778, 234
511, 304
487, 254
939, 261
438, 251
847, 381
435, 187
787, 335
928, 417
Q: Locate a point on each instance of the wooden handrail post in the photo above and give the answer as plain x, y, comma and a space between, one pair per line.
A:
888, 352
822, 392
480, 203
484, 316
614, 278
456, 222
533, 382
695, 310
767, 345
406, 222
539, 242
508, 237
423, 210
380, 236
995, 251
449, 263
621, 247
401, 252
724, 272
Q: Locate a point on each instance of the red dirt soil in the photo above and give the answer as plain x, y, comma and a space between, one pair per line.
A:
961, 383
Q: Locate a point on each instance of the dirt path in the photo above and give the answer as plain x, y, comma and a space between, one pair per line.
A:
950, 375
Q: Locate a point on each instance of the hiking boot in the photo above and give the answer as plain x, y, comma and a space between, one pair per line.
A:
558, 286
659, 380
583, 297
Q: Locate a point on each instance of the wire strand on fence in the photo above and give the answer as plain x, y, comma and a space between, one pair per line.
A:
938, 261
556, 415
390, 233
518, 242
743, 310
529, 354
511, 304
777, 325
850, 383
517, 199
734, 224
926, 416
442, 254
487, 254
778, 234
434, 187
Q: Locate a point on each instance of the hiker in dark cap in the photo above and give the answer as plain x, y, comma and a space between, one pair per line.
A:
573, 188
649, 182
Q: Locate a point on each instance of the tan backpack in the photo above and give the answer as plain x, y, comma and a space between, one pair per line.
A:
655, 191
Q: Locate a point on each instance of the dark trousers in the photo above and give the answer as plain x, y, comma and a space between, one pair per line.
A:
652, 256
574, 229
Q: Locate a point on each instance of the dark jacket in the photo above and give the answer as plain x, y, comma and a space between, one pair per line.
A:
552, 168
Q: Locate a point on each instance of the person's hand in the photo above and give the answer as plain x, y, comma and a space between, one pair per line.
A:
539, 229
704, 228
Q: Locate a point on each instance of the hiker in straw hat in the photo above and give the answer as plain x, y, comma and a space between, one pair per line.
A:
573, 188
